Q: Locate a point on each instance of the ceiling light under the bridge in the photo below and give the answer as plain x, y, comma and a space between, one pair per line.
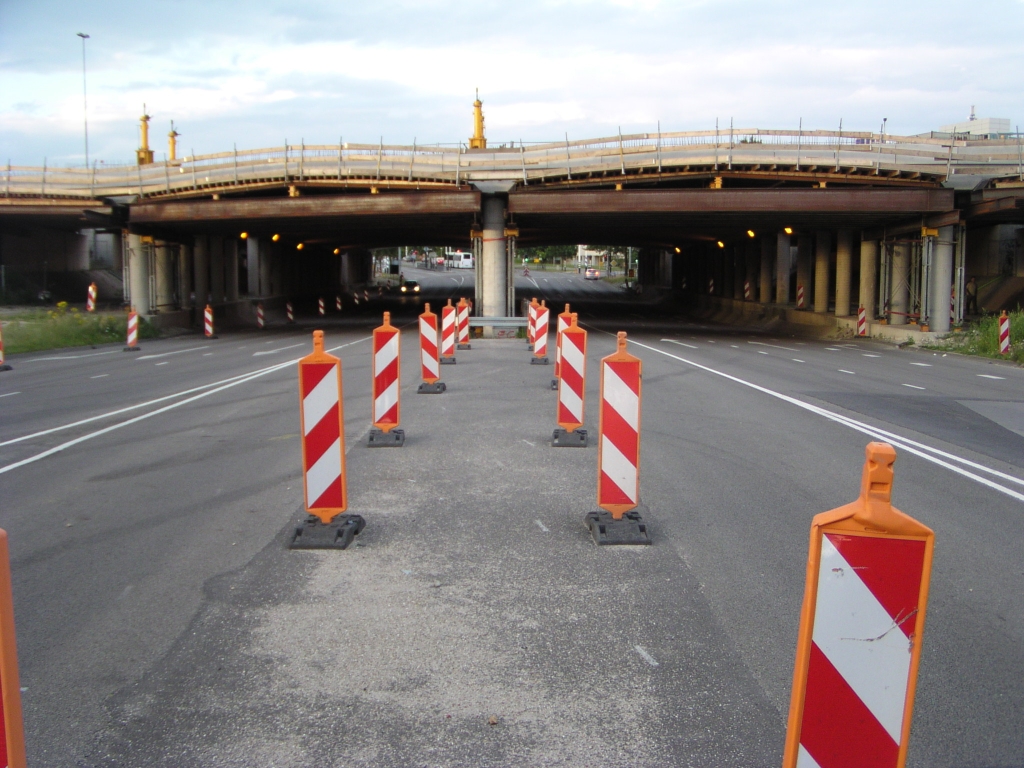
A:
244, 235
750, 233
788, 230
298, 247
275, 238
337, 251
721, 244
678, 249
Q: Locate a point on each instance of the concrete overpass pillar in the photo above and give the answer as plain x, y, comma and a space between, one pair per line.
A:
495, 255
164, 277
942, 280
899, 292
185, 276
138, 275
217, 268
201, 255
804, 262
750, 268
782, 268
822, 262
844, 267
231, 269
267, 250
868, 276
252, 260
739, 270
764, 292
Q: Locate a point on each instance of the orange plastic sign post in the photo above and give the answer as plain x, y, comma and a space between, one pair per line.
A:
563, 321
618, 446
861, 623
463, 323
386, 375
323, 432
574, 375
12, 732
531, 319
429, 362
448, 323
541, 325
90, 300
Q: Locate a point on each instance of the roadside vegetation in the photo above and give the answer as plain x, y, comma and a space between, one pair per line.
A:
981, 338
34, 330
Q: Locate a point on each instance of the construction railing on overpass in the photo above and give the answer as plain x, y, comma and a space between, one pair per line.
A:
848, 155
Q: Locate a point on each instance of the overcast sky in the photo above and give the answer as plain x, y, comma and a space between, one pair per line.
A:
256, 73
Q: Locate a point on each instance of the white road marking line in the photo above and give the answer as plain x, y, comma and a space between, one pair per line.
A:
165, 362
734, 346
795, 360
279, 349
542, 526
910, 446
832, 349
69, 357
989, 376
761, 352
681, 343
923, 365
535, 283
8, 394
176, 352
709, 341
645, 656
865, 354
533, 445
119, 411
777, 346
100, 376
843, 370
207, 354
912, 386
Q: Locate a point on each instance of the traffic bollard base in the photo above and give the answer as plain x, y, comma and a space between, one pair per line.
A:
563, 439
539, 361
431, 389
447, 361
606, 530
463, 346
380, 439
214, 336
554, 384
132, 349
6, 367
337, 534
529, 346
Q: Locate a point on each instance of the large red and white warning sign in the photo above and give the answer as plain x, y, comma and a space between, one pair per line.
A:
386, 383
860, 630
429, 362
540, 331
323, 432
448, 323
618, 447
574, 372
562, 322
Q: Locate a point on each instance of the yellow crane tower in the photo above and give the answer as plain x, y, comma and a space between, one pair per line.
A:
477, 140
172, 143
144, 154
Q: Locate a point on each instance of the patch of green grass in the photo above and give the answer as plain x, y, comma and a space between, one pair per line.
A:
982, 338
38, 330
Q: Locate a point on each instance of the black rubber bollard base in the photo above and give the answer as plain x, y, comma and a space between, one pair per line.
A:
6, 367
431, 389
133, 349
539, 361
463, 346
380, 439
607, 530
447, 361
337, 534
575, 439
554, 384
529, 346
208, 338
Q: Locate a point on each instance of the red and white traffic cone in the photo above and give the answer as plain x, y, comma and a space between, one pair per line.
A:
448, 334
1004, 334
261, 321
711, 286
746, 290
133, 332
386, 387
324, 481
289, 312
531, 320
618, 452
430, 366
4, 365
90, 300
540, 335
861, 624
337, 303
862, 322
463, 322
208, 322
561, 323
800, 297
321, 308
571, 387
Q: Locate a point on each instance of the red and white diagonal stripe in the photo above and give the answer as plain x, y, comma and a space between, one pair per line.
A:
385, 378
1004, 334
561, 323
208, 320
531, 318
862, 322
540, 331
448, 330
865, 619
90, 301
619, 457
463, 322
321, 309
323, 451
133, 329
260, 320
337, 303
431, 369
571, 383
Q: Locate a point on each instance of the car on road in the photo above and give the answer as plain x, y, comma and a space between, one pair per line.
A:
410, 286
592, 274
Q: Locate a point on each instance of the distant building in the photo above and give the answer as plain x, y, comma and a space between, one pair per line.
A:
980, 127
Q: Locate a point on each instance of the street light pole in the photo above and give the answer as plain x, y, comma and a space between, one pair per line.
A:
85, 112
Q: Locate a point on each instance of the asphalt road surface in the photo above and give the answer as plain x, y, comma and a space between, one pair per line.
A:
162, 621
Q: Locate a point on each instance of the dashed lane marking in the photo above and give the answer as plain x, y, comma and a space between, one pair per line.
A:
681, 343
923, 365
795, 360
843, 370
645, 656
776, 346
176, 352
989, 376
912, 386
165, 362
279, 349
9, 394
865, 354
69, 357
102, 375
542, 526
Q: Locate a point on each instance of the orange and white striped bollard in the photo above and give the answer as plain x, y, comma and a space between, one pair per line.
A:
800, 298
12, 729
386, 404
4, 365
618, 452
571, 388
862, 322
531, 319
746, 290
321, 307
540, 335
133, 332
448, 334
90, 299
208, 322
561, 323
324, 481
1004, 334
463, 323
430, 365
337, 303
711, 286
261, 321
289, 312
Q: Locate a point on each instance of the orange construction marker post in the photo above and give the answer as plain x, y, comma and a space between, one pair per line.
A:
463, 323
541, 324
133, 332
322, 416
448, 325
562, 322
531, 318
572, 388
208, 322
857, 655
618, 452
4, 365
12, 734
90, 299
386, 387
261, 321
430, 364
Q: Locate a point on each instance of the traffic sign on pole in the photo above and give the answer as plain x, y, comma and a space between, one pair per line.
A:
321, 411
448, 334
618, 452
571, 388
540, 335
463, 320
430, 365
12, 731
386, 387
861, 625
562, 322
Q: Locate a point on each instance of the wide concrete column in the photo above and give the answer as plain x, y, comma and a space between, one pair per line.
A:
764, 286
782, 268
899, 291
494, 261
231, 269
804, 265
868, 276
822, 262
201, 256
844, 269
165, 264
941, 280
252, 260
217, 268
138, 275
